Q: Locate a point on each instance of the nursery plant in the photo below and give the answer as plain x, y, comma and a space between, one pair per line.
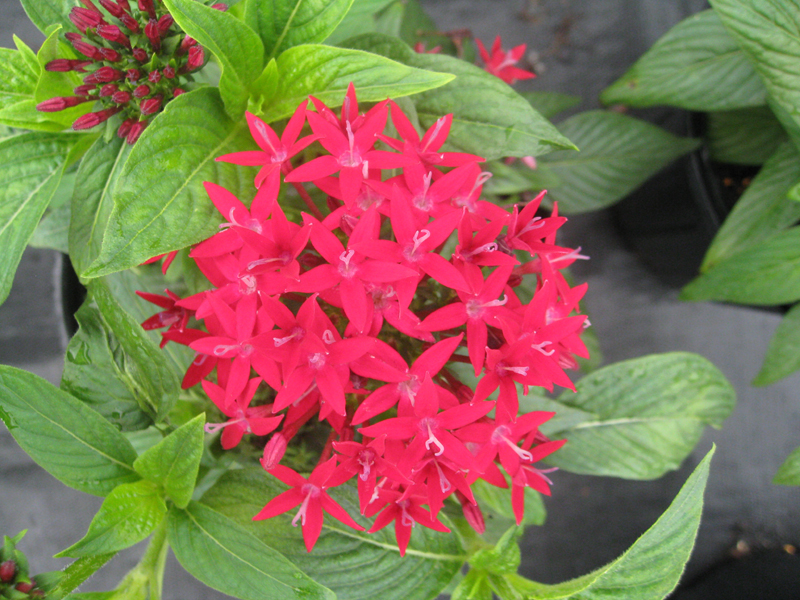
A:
317, 357
736, 63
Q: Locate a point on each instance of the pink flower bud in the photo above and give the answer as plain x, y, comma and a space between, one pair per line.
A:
121, 97
113, 34
154, 76
108, 74
473, 514
23, 587
147, 6
151, 31
8, 570
141, 91
109, 54
129, 23
274, 451
151, 105
92, 52
136, 131
133, 75
140, 54
84, 18
108, 89
124, 5
93, 119
113, 8
187, 43
164, 23
125, 127
60, 103
196, 58
168, 72
71, 36
62, 65
177, 92
220, 6
84, 89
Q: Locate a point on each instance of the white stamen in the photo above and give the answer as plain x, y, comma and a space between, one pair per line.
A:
327, 336
541, 348
433, 441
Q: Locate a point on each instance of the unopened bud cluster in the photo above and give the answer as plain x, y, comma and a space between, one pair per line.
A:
14, 579
135, 59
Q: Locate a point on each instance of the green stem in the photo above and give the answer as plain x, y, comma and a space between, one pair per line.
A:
155, 559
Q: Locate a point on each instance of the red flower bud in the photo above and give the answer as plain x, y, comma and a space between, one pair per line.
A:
151, 105
147, 6
136, 131
121, 98
110, 55
72, 36
92, 52
151, 31
62, 65
274, 451
220, 6
84, 89
177, 92
124, 5
154, 76
168, 72
164, 23
93, 119
141, 91
23, 587
187, 43
60, 103
133, 75
108, 74
112, 7
472, 513
8, 570
196, 58
108, 89
140, 54
84, 18
129, 23
125, 128
112, 33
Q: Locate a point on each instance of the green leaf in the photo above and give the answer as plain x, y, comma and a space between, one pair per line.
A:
504, 557
237, 47
31, 165
78, 572
359, 19
648, 570
761, 211
65, 437
95, 372
766, 274
45, 13
144, 369
696, 65
789, 473
52, 230
173, 463
431, 560
474, 586
127, 516
326, 71
767, 31
91, 204
748, 136
617, 154
28, 55
498, 501
228, 558
638, 418
549, 104
783, 353
490, 119
154, 214
288, 23
17, 81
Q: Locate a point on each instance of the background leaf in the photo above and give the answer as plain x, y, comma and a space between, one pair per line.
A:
127, 516
765, 274
431, 561
173, 463
789, 473
358, 20
696, 65
783, 354
326, 71
761, 211
549, 104
767, 31
228, 558
154, 214
91, 203
44, 13
237, 47
288, 23
616, 154
144, 369
652, 567
748, 136
17, 80
31, 165
638, 418
62, 435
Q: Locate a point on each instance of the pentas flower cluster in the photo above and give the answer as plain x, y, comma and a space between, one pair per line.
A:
503, 64
361, 317
135, 59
